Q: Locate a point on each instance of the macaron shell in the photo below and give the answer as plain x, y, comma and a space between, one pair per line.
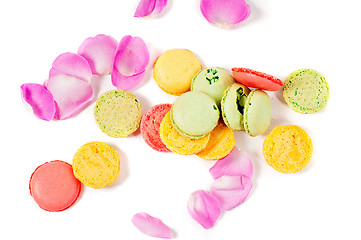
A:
54, 187
178, 143
149, 126
96, 164
212, 81
175, 69
287, 149
220, 144
231, 115
257, 112
255, 79
194, 114
306, 91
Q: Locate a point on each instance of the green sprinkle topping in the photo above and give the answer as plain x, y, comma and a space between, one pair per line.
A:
215, 107
211, 75
241, 99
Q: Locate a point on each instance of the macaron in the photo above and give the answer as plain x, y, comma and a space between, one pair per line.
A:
175, 69
257, 112
255, 79
178, 143
118, 113
194, 114
212, 81
149, 126
306, 91
96, 164
232, 105
54, 187
220, 144
287, 149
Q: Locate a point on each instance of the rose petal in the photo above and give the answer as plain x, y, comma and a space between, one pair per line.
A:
99, 52
71, 64
225, 11
237, 163
131, 59
151, 226
231, 191
203, 208
40, 99
147, 7
70, 93
159, 6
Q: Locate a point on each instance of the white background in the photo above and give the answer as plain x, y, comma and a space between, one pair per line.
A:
321, 201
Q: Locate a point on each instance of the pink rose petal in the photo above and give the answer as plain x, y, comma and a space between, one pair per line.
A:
225, 11
236, 163
40, 99
151, 226
231, 191
70, 93
99, 52
131, 59
203, 208
147, 7
71, 64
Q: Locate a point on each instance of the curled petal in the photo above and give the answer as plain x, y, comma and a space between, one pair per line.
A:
70, 93
131, 59
203, 208
225, 11
151, 226
99, 52
231, 191
146, 7
40, 99
159, 6
237, 163
71, 64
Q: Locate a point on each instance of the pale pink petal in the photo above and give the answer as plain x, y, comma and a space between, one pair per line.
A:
131, 59
70, 93
236, 163
231, 191
203, 208
99, 52
40, 99
225, 11
71, 64
151, 226
159, 6
145, 7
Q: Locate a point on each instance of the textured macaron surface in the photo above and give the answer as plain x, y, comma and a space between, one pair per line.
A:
306, 91
118, 113
175, 69
96, 164
288, 148
194, 114
149, 126
212, 81
53, 186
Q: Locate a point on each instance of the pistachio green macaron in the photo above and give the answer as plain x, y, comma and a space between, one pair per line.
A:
194, 114
212, 81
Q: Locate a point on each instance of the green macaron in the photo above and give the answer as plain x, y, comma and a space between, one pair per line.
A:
232, 106
306, 91
194, 114
257, 112
212, 81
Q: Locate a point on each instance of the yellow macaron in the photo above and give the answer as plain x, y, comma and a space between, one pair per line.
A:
178, 143
288, 148
175, 69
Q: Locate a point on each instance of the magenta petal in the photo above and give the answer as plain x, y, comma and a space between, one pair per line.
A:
231, 191
131, 59
151, 226
203, 208
236, 163
40, 99
225, 11
71, 64
70, 93
145, 7
99, 52
159, 6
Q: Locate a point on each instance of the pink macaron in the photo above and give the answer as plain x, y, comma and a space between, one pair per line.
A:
149, 126
54, 187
